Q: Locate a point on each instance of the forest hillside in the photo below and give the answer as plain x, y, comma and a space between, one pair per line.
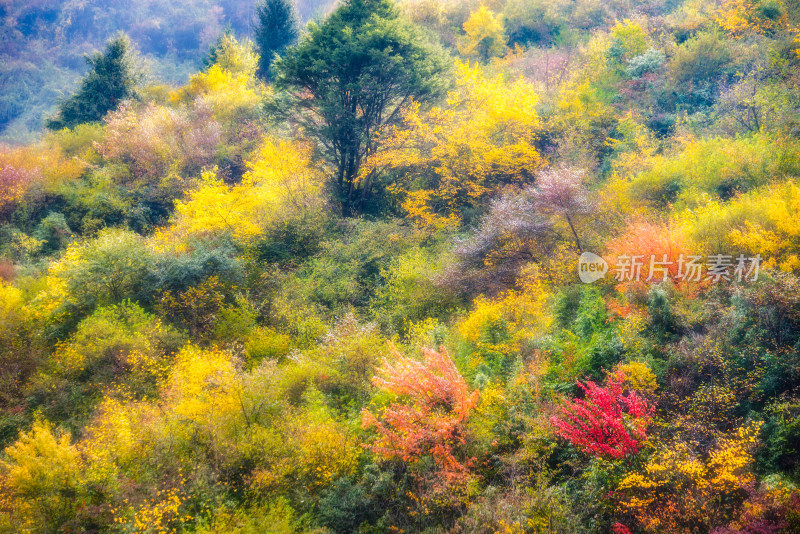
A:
43, 42
414, 266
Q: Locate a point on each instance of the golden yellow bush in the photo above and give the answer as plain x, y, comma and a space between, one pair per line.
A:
454, 156
281, 183
678, 489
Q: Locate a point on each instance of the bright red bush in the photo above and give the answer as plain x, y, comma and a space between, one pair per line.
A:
606, 423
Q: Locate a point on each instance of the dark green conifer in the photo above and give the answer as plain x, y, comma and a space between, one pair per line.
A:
111, 79
276, 29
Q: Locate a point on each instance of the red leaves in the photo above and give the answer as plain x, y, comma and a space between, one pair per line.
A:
606, 423
432, 422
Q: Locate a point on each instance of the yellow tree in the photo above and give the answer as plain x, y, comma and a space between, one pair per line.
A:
485, 37
42, 480
452, 157
281, 183
679, 490
229, 86
741, 17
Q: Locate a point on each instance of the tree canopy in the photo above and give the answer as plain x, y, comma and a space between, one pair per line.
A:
276, 27
350, 76
111, 79
539, 277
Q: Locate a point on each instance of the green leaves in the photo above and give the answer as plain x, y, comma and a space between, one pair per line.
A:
110, 81
276, 28
351, 76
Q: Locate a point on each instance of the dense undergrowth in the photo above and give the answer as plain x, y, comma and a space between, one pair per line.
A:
238, 305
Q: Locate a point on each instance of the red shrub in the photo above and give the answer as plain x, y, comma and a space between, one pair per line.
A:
606, 423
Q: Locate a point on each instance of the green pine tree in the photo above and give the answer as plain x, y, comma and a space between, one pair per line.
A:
352, 75
111, 80
276, 29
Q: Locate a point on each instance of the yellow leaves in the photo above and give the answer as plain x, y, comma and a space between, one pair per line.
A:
113, 436
740, 17
505, 110
158, 515
797, 44
485, 37
12, 304
201, 385
777, 235
644, 491
638, 376
679, 487
634, 142
225, 91
33, 169
235, 57
631, 36
326, 451
728, 462
286, 169
43, 473
452, 157
418, 207
704, 183
314, 449
733, 17
522, 312
208, 407
588, 106
213, 207
632, 333
41, 462
485, 313
765, 221
281, 183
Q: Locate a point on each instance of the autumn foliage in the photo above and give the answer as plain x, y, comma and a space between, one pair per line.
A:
607, 422
431, 419
215, 295
32, 170
658, 248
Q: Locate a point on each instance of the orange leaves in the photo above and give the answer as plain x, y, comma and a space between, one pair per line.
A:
22, 169
436, 381
643, 238
432, 421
